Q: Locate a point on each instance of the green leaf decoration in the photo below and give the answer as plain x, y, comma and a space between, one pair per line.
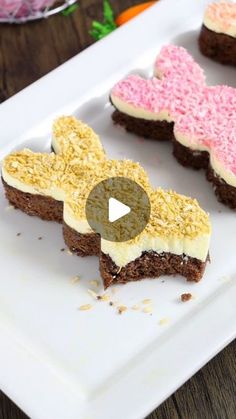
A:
101, 29
70, 9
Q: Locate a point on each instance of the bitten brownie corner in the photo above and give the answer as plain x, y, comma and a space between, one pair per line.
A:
151, 265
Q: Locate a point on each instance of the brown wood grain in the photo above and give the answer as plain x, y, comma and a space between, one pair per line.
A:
28, 52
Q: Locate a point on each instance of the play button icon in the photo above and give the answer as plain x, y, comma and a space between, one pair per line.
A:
118, 209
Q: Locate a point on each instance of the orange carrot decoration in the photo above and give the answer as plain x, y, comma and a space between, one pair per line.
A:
132, 12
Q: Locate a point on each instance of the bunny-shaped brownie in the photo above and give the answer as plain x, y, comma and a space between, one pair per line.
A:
177, 104
37, 183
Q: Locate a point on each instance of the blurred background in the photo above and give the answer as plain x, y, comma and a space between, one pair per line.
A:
29, 51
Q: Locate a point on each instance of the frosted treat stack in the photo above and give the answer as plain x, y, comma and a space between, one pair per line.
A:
176, 232
175, 241
177, 105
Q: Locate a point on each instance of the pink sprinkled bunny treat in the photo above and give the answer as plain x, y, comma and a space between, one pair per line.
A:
218, 34
177, 105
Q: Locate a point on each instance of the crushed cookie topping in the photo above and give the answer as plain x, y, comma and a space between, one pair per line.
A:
41, 171
76, 145
81, 141
76, 199
73, 173
176, 215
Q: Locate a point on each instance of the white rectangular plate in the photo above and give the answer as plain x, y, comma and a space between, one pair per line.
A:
56, 361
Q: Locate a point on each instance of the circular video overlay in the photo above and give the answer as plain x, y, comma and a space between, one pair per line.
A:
118, 209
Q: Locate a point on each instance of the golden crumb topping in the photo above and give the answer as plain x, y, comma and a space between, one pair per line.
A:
83, 179
73, 139
80, 164
38, 170
172, 215
176, 215
74, 143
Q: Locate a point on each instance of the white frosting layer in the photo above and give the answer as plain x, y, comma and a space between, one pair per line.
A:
81, 226
217, 26
220, 170
55, 145
131, 110
124, 253
53, 192
139, 112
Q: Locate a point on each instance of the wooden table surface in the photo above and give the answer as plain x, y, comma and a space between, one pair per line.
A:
27, 52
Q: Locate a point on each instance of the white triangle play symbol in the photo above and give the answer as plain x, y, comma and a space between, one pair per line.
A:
117, 210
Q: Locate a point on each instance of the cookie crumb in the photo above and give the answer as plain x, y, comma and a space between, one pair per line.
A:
164, 321
18, 234
121, 309
148, 310
40, 238
111, 303
63, 249
94, 283
147, 301
105, 297
85, 307
186, 297
93, 294
75, 279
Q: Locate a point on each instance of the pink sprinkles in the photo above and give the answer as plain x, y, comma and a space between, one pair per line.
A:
223, 13
205, 116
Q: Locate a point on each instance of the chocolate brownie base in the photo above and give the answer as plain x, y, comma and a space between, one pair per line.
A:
200, 160
218, 46
155, 130
190, 158
81, 244
151, 265
224, 192
44, 207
